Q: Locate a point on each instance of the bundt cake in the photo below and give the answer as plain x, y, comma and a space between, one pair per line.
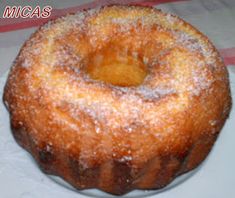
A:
118, 98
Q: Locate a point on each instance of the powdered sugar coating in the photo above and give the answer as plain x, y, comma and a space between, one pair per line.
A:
66, 60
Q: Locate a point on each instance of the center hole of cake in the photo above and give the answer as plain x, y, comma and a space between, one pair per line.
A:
116, 67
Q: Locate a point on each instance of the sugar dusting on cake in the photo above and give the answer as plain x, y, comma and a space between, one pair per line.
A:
65, 57
120, 108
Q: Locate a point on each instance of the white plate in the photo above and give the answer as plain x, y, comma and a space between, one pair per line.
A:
133, 194
21, 178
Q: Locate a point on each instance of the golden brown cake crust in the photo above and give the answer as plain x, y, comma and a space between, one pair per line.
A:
97, 135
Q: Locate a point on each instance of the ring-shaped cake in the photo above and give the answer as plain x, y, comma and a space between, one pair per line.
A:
118, 98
